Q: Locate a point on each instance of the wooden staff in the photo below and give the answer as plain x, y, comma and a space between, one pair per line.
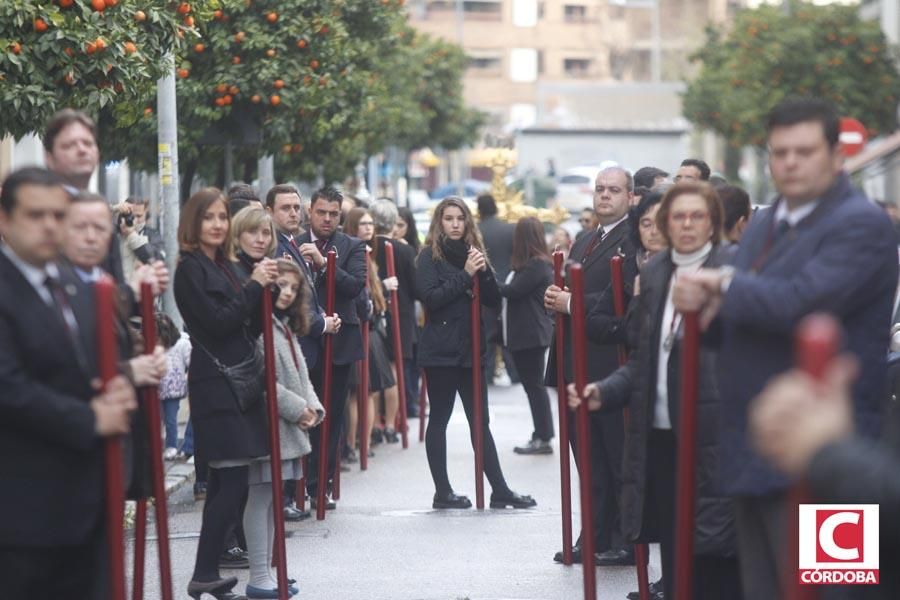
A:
686, 488
300, 488
398, 350
326, 390
477, 400
150, 398
280, 555
641, 552
107, 359
579, 351
565, 477
818, 337
362, 396
423, 404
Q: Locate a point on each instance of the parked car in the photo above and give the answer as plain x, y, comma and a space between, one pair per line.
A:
575, 188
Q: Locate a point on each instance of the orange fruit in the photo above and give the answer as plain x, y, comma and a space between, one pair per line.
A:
111, 3
40, 25
275, 100
100, 43
148, 111
90, 48
233, 90
227, 100
184, 8
189, 21
98, 5
218, 14
221, 88
236, 60
66, 3
301, 44
272, 17
255, 99
239, 36
286, 148
278, 84
140, 15
220, 101
199, 47
183, 73
130, 48
16, 47
270, 53
314, 64
69, 52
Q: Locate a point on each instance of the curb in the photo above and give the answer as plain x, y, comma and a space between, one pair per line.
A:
178, 474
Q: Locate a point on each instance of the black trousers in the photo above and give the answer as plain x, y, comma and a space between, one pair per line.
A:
607, 443
530, 365
78, 571
225, 492
443, 385
340, 379
715, 577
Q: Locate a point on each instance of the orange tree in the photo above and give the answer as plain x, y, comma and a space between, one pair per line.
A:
97, 55
322, 83
766, 56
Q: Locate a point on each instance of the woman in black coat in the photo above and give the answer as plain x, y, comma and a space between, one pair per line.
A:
222, 315
527, 328
690, 218
452, 257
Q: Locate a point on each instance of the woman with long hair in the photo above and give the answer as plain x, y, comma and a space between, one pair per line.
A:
299, 410
251, 239
222, 315
405, 229
452, 257
359, 224
690, 220
526, 328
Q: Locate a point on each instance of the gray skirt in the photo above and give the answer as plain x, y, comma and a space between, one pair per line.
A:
261, 470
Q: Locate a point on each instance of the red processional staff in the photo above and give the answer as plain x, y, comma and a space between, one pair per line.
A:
686, 489
326, 389
583, 432
818, 337
641, 552
477, 400
107, 359
280, 556
398, 350
150, 399
362, 396
565, 477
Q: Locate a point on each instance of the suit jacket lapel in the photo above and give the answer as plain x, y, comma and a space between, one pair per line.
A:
613, 240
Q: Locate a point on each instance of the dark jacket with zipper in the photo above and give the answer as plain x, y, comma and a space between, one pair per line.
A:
634, 385
528, 324
446, 293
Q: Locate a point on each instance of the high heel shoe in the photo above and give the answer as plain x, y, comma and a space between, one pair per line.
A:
220, 589
512, 499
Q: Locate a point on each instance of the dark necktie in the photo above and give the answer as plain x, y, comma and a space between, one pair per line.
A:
64, 311
598, 237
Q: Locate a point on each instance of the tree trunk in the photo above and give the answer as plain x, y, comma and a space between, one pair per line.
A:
187, 179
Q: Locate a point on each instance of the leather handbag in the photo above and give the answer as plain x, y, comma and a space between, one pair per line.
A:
246, 379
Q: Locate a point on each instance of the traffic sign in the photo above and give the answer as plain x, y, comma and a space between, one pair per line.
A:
853, 136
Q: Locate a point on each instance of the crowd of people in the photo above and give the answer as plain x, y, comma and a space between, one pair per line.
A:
690, 243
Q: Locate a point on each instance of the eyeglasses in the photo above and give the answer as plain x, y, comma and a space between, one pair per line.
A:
694, 217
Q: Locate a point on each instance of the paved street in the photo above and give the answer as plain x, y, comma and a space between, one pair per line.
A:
385, 542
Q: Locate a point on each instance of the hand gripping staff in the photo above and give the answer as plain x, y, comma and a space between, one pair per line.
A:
398, 350
687, 460
107, 357
818, 337
150, 399
326, 390
565, 478
583, 432
641, 552
274, 444
362, 396
477, 400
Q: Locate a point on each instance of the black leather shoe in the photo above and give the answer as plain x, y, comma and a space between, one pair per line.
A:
615, 558
234, 558
329, 503
513, 500
534, 447
219, 588
450, 500
576, 555
656, 592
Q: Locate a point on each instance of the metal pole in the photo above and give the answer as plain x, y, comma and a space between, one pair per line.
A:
107, 359
579, 352
565, 476
398, 350
280, 555
641, 552
686, 487
326, 391
477, 400
168, 180
150, 396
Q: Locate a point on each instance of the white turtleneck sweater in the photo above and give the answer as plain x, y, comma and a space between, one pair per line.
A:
671, 324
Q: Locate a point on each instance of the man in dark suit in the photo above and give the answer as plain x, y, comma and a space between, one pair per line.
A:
52, 417
821, 248
498, 241
612, 198
350, 279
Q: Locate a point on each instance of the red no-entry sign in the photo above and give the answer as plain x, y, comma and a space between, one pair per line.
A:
853, 136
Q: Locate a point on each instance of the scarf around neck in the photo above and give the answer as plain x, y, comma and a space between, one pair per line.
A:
456, 252
693, 258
